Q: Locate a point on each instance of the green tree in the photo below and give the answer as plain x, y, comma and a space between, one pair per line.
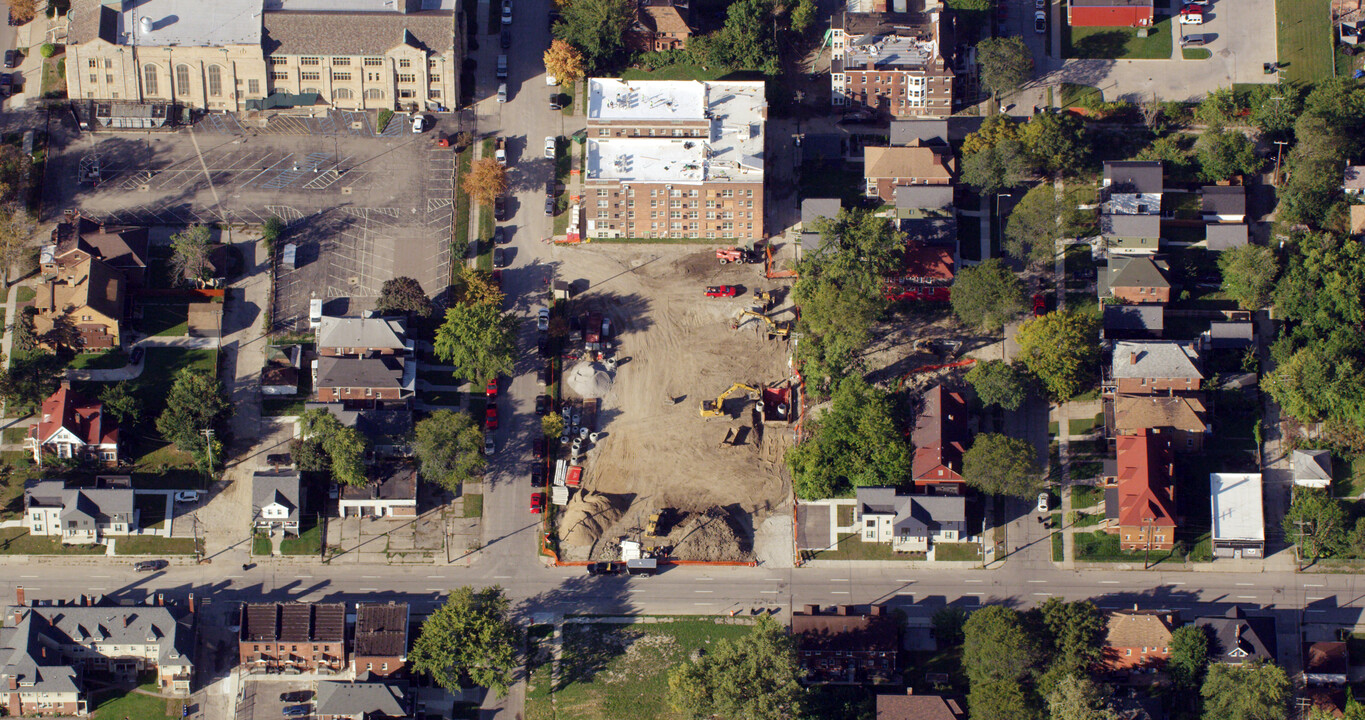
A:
478, 339
747, 41
1042, 217
1219, 107
999, 383
118, 401
994, 130
1076, 697
1314, 167
552, 425
1254, 691
31, 377
947, 625
25, 336
987, 296
1188, 657
598, 29
271, 232
1060, 348
1225, 153
1074, 641
17, 226
469, 640
854, 443
803, 15
1002, 465
190, 252
1005, 64
1318, 523
1173, 151
1274, 108
996, 647
1249, 275
1057, 142
755, 676
402, 295
448, 446
344, 447
195, 403
864, 241
996, 168
1000, 700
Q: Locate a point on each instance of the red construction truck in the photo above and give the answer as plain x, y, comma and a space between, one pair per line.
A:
592, 332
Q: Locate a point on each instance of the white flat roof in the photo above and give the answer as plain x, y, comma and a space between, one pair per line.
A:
192, 23
615, 99
1237, 513
646, 160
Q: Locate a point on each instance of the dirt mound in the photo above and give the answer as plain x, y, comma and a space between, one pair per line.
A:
698, 264
589, 380
586, 515
709, 536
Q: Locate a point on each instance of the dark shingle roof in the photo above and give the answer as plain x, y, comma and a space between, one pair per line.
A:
381, 630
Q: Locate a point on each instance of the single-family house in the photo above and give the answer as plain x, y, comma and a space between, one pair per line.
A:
280, 376
391, 492
48, 649
1312, 468
78, 515
1238, 518
910, 706
1131, 234
292, 637
814, 211
659, 25
886, 168
1328, 699
922, 198
276, 501
845, 646
919, 131
1237, 638
1223, 204
362, 336
1145, 518
1353, 181
381, 638
1136, 279
389, 429
1109, 13
379, 381
1134, 322
1150, 367
1326, 663
73, 426
1226, 236
362, 700
78, 238
1183, 418
940, 440
88, 296
910, 523
1229, 335
1137, 639
1131, 187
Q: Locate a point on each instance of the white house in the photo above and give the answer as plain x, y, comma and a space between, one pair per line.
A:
275, 501
392, 492
78, 515
910, 523
1312, 468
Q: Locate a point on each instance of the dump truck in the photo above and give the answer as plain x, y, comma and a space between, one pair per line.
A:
592, 331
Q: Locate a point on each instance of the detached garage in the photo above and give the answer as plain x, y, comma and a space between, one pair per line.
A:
1109, 13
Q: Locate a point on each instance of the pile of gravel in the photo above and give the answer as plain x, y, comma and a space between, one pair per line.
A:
589, 380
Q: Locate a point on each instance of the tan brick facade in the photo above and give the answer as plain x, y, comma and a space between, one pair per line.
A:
714, 210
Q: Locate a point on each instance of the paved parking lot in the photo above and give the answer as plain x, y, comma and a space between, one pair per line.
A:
361, 207
261, 696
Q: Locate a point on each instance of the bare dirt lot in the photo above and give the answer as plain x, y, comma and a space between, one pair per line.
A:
721, 502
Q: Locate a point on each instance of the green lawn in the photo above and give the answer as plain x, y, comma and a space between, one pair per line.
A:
851, 547
1083, 426
675, 72
1084, 520
1197, 53
1117, 43
1348, 477
110, 360
609, 672
25, 294
154, 545
1076, 95
1304, 39
1084, 496
15, 435
1100, 546
17, 541
309, 542
473, 505
844, 515
280, 406
260, 544
151, 509
462, 205
166, 320
957, 551
136, 706
1058, 548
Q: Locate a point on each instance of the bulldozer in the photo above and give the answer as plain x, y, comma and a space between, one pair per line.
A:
762, 300
652, 529
775, 328
713, 409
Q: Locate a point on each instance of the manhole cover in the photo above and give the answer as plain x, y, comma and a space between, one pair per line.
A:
353, 280
357, 125
346, 190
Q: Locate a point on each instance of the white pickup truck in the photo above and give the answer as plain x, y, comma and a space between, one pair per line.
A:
500, 151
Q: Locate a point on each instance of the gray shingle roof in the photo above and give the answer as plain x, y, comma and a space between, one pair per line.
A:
924, 197
926, 132
378, 372
815, 208
911, 511
1155, 359
355, 332
1312, 465
1134, 317
280, 487
84, 506
1224, 200
1225, 236
1234, 334
356, 33
361, 699
1133, 176
1136, 271
1138, 226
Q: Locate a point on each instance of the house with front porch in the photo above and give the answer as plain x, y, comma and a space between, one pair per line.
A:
910, 523
78, 515
73, 426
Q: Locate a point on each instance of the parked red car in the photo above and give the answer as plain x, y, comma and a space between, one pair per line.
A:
492, 389
717, 291
490, 417
537, 503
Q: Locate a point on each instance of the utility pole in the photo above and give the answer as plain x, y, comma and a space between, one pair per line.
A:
1279, 148
208, 437
1147, 556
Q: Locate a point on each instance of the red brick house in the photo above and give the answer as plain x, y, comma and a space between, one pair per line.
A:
659, 25
365, 382
1109, 13
73, 426
1137, 639
1146, 494
844, 646
293, 637
381, 638
940, 439
77, 238
1155, 368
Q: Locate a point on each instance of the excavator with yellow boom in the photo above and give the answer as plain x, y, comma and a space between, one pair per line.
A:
716, 408
781, 329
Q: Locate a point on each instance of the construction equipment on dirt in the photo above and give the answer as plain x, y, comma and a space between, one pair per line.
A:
735, 255
652, 528
762, 300
776, 328
768, 270
712, 409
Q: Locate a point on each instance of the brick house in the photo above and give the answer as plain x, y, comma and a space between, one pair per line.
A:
1154, 367
90, 295
362, 337
1137, 280
659, 25
893, 63
1145, 492
886, 168
381, 638
910, 706
1137, 639
73, 426
1184, 419
365, 382
1109, 13
940, 439
844, 646
77, 238
293, 637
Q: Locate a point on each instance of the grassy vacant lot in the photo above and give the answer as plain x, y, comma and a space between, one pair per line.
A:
166, 320
116, 706
154, 545
833, 179
617, 671
17, 541
1117, 43
851, 547
1304, 39
473, 505
1074, 95
957, 551
109, 360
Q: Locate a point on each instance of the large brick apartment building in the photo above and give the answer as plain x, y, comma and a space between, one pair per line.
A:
294, 637
894, 60
674, 159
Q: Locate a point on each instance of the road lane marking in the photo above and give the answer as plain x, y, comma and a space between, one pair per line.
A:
696, 603
838, 592
705, 579
1245, 584
1045, 594
1109, 582
1175, 583
369, 577
838, 580
1319, 585
907, 594
502, 577
435, 590
904, 580
305, 577
770, 592
369, 589
1037, 581
435, 577
772, 579
703, 591
973, 581
973, 593
1246, 597
1317, 597
99, 576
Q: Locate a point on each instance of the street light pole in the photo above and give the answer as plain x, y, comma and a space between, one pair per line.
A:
1279, 147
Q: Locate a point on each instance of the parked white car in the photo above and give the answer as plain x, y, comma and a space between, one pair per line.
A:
187, 496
